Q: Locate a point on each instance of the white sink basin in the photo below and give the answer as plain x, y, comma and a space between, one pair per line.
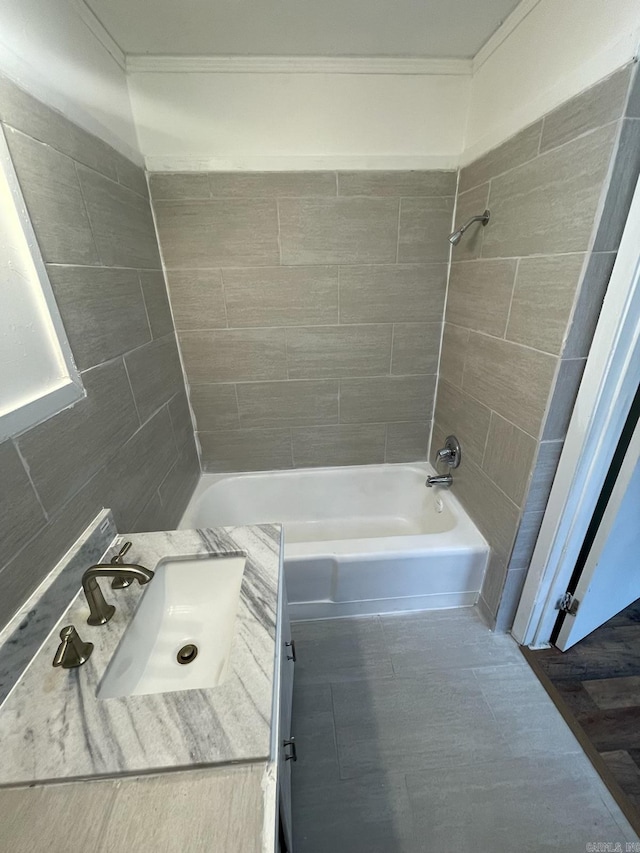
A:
180, 636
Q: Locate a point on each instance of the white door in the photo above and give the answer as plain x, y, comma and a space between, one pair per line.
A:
610, 580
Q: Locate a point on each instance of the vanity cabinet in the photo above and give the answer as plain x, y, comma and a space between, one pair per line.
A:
286, 743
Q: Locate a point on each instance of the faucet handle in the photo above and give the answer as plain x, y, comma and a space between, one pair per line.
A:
117, 558
72, 651
121, 583
451, 453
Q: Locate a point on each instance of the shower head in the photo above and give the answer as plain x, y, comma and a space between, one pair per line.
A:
456, 236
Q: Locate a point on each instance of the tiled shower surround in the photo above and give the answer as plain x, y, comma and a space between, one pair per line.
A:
524, 298
129, 444
309, 311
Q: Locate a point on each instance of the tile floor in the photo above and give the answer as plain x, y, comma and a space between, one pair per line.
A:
426, 732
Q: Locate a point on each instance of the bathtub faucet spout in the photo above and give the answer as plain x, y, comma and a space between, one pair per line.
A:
439, 480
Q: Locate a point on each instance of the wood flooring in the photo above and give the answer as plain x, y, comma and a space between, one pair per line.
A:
596, 686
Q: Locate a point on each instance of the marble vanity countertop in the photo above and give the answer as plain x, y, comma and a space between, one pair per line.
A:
52, 726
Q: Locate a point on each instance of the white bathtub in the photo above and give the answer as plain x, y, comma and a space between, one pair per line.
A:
361, 540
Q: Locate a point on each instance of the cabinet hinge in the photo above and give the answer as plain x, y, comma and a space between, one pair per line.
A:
568, 604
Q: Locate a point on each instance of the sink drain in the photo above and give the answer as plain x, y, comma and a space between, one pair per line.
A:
187, 654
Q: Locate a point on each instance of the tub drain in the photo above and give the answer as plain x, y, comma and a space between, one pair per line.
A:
187, 654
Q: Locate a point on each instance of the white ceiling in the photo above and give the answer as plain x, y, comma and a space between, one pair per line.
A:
429, 28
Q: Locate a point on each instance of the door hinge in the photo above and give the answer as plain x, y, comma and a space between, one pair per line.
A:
568, 604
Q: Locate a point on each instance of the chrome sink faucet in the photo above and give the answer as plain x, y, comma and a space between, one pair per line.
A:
123, 574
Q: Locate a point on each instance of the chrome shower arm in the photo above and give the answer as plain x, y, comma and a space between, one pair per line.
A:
454, 238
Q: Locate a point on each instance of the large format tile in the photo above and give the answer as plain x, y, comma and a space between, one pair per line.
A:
215, 407
156, 302
366, 815
455, 343
397, 183
173, 812
479, 295
338, 231
514, 152
382, 399
620, 193
549, 205
281, 296
416, 347
103, 311
177, 487
139, 467
131, 175
633, 104
509, 379
542, 301
393, 293
510, 599
21, 513
52, 193
22, 573
525, 540
493, 584
121, 222
337, 650
234, 355
33, 817
181, 418
564, 396
271, 184
596, 106
343, 444
316, 352
422, 645
177, 186
19, 110
218, 232
494, 513
197, 299
407, 442
246, 450
292, 403
433, 630
458, 413
537, 804
470, 203
63, 452
425, 224
543, 475
508, 458
588, 304
155, 374
536, 724
406, 724
314, 731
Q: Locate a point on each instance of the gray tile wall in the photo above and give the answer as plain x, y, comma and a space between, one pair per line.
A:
129, 444
524, 297
309, 311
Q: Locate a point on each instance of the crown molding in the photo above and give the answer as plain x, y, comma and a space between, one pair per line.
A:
100, 32
158, 64
510, 23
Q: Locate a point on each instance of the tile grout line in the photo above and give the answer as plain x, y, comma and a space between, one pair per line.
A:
146, 309
27, 471
513, 293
